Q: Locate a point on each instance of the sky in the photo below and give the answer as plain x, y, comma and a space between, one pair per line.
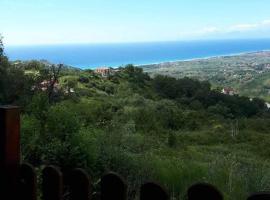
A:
117, 21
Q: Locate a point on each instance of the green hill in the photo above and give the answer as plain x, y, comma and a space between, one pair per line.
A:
248, 74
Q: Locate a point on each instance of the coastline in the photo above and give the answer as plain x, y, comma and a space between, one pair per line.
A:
204, 58
145, 65
78, 57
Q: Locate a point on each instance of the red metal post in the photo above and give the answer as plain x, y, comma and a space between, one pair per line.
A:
9, 150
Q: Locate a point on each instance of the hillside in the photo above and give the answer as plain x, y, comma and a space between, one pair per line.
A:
248, 74
174, 131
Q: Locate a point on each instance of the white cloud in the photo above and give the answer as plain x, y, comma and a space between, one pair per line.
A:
243, 27
213, 30
207, 30
249, 27
266, 22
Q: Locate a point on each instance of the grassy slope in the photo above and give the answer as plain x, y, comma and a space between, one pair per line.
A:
237, 165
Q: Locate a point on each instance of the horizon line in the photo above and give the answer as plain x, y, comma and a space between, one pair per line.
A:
133, 42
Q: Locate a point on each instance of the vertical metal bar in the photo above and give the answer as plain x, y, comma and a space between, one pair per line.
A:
9, 150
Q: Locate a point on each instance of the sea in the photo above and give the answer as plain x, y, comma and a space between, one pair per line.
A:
91, 56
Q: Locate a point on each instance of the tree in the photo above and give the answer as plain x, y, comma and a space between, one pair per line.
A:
172, 140
136, 76
51, 76
1, 46
61, 123
13, 82
165, 86
3, 72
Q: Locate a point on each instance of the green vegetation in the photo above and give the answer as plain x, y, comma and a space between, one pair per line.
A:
175, 131
248, 74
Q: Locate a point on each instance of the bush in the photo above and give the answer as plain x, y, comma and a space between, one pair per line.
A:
61, 123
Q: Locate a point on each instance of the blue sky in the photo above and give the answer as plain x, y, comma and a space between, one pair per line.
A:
107, 21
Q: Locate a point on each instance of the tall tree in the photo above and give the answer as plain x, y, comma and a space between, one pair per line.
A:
13, 82
1, 46
4, 64
51, 76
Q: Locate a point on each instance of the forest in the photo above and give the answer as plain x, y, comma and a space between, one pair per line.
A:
174, 131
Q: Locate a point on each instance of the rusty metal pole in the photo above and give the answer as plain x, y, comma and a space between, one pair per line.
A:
9, 151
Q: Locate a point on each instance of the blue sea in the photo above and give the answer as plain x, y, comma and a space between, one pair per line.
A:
89, 56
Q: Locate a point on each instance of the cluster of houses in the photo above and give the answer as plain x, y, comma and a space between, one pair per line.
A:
228, 91
44, 85
231, 92
106, 71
